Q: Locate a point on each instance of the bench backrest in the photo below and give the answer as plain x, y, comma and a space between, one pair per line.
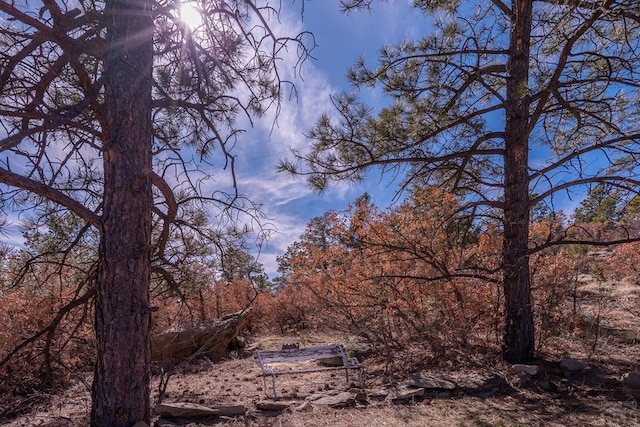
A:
266, 357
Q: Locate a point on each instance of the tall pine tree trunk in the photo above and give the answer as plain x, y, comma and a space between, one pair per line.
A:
121, 382
518, 343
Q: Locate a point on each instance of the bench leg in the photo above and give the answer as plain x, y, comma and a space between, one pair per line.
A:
273, 386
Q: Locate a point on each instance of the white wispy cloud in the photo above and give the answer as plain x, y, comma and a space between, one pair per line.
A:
287, 201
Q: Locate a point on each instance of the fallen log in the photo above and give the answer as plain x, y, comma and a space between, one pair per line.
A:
187, 342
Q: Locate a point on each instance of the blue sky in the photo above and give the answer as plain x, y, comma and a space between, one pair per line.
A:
342, 39
287, 201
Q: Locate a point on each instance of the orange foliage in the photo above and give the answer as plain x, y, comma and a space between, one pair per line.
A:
401, 276
421, 274
66, 341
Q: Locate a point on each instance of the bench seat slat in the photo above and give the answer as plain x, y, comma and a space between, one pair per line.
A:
309, 370
295, 358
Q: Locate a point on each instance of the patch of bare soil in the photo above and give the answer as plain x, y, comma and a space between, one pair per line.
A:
237, 381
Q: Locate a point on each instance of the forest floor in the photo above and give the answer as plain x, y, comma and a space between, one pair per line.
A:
236, 380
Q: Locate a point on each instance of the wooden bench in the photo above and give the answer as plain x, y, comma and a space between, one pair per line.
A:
282, 362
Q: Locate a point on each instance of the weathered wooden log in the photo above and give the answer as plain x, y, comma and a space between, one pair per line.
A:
188, 342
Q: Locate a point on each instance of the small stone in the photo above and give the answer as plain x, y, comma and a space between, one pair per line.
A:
183, 409
571, 366
530, 370
230, 410
268, 405
404, 393
304, 407
544, 384
485, 383
314, 397
429, 382
341, 400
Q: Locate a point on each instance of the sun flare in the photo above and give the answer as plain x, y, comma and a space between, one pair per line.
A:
190, 14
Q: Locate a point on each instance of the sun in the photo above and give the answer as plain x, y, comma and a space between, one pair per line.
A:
190, 14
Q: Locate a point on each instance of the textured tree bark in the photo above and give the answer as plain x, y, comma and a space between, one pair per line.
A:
518, 342
121, 383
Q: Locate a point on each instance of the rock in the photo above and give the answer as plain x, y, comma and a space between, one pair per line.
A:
571, 366
530, 370
405, 393
268, 405
340, 400
590, 377
544, 384
199, 339
483, 383
304, 407
184, 409
631, 380
429, 382
315, 396
141, 424
230, 410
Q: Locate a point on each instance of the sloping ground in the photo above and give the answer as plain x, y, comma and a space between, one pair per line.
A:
236, 381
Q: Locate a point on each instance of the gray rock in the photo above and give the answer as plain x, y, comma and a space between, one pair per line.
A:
631, 380
230, 410
340, 400
404, 393
268, 405
590, 377
378, 394
184, 409
571, 366
482, 383
544, 384
530, 370
429, 382
315, 396
304, 407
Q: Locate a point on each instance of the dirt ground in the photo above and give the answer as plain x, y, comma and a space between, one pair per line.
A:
236, 381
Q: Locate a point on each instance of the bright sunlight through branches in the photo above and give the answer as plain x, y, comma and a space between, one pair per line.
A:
190, 14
